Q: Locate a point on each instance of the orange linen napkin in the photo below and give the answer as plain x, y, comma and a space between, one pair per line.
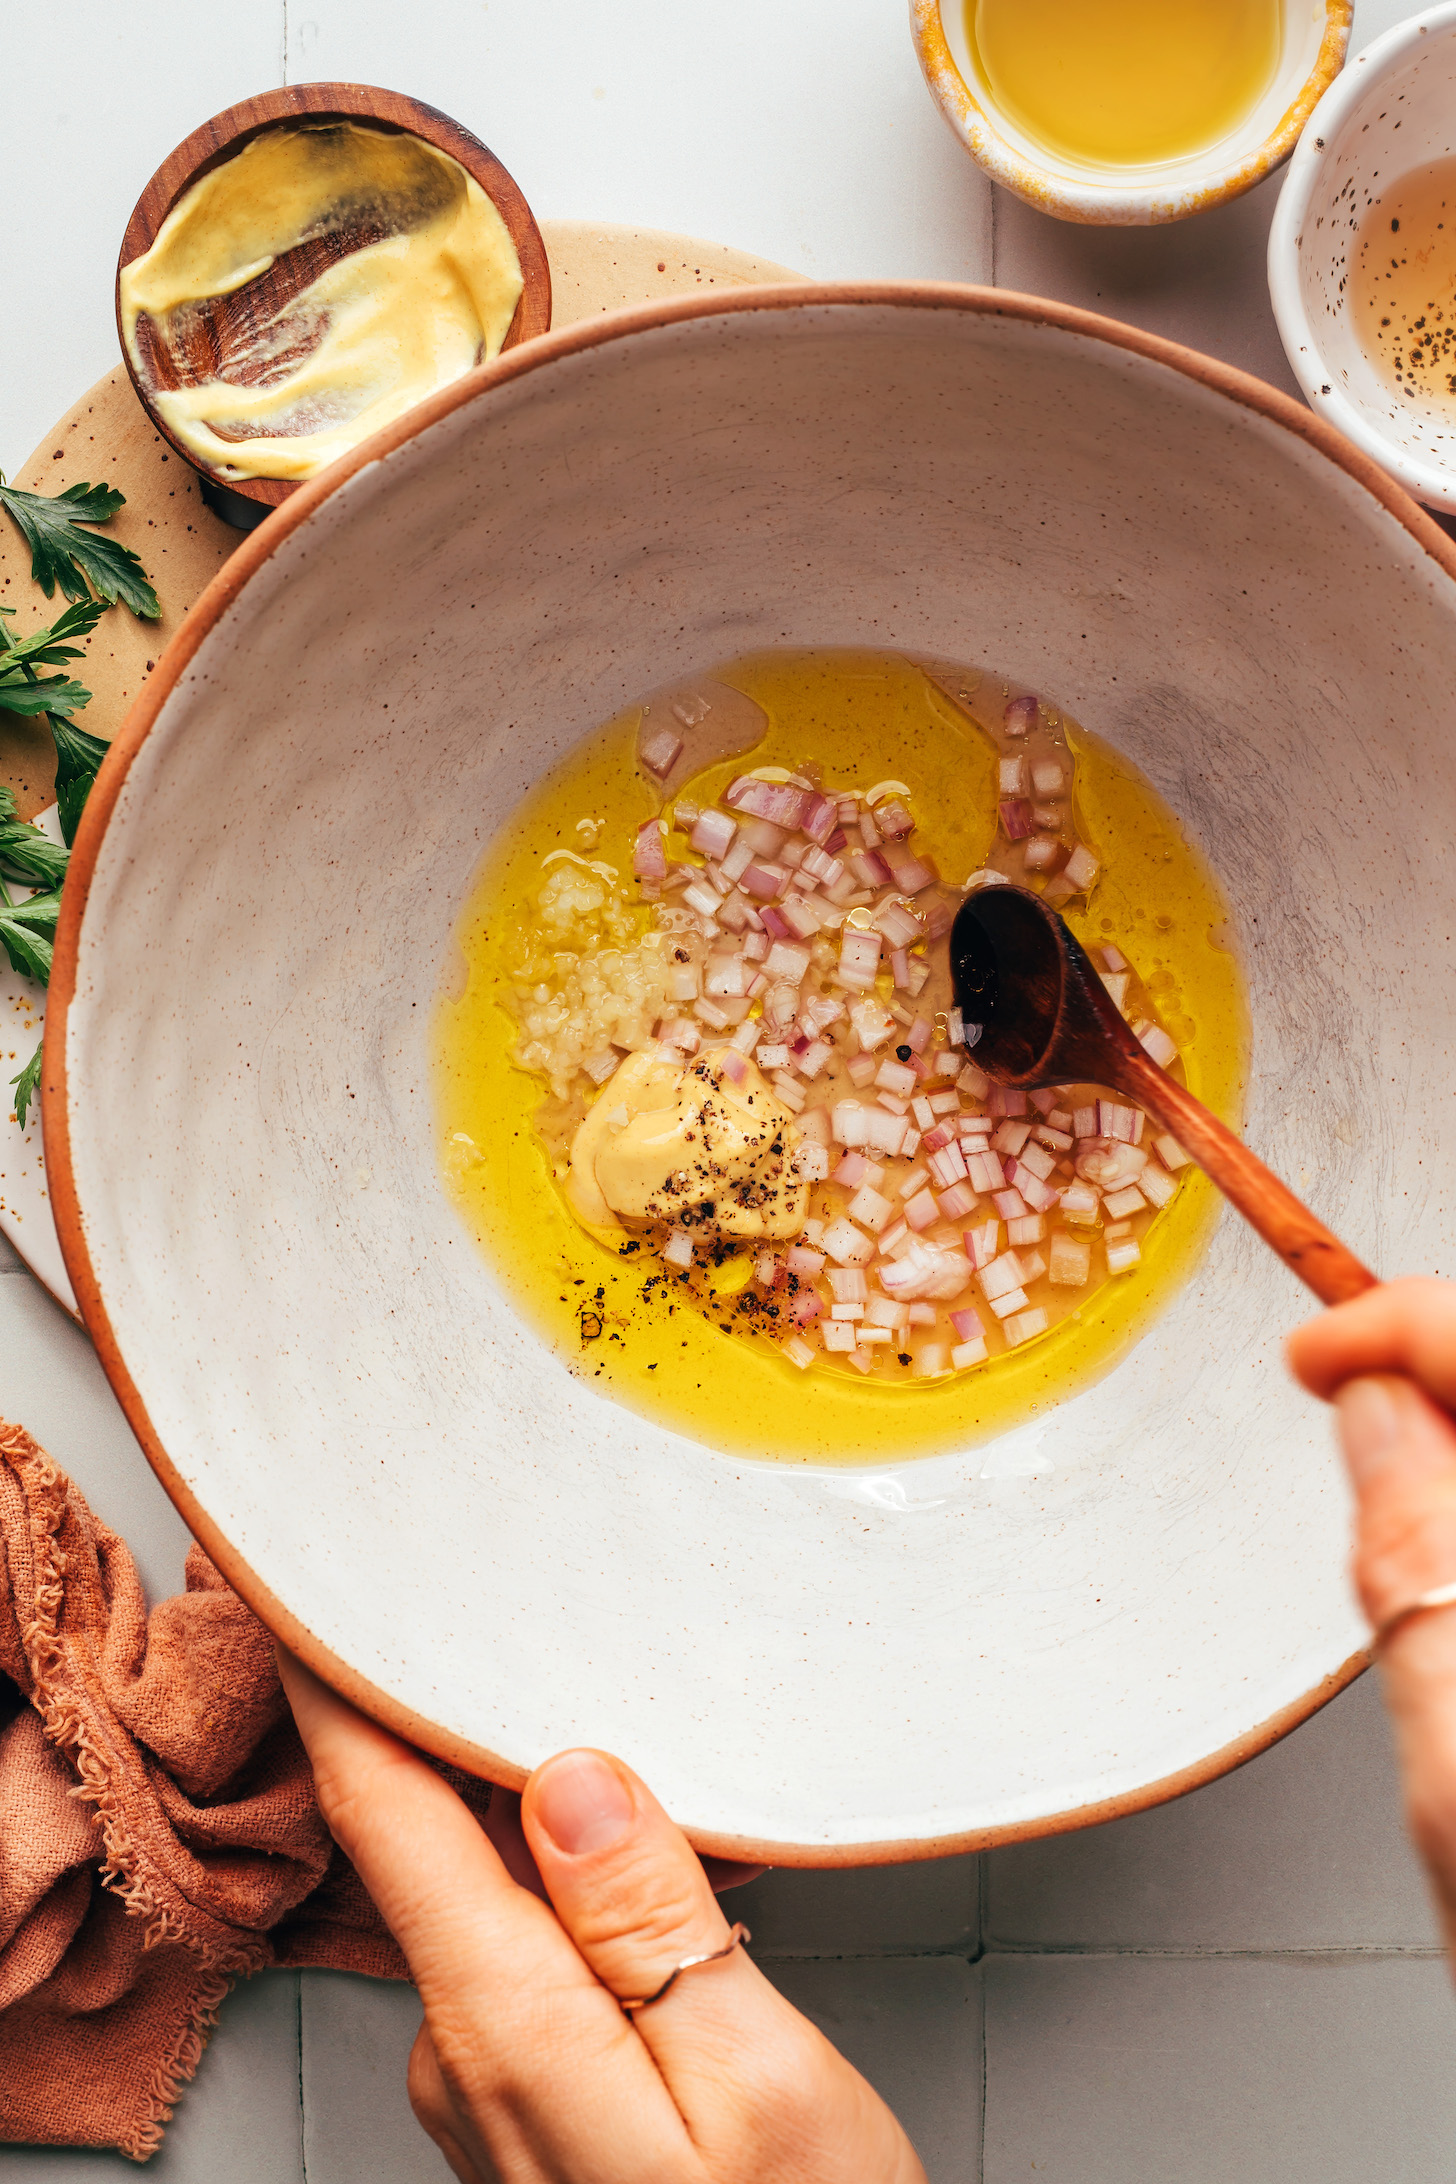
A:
158, 1829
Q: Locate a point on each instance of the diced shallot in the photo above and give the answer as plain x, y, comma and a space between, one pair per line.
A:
1170, 1152
1081, 869
910, 874
931, 1360
678, 1250
1020, 716
870, 1208
1121, 1203
859, 959
848, 1245
982, 1243
872, 1023
713, 833
780, 802
798, 1352
1116, 1121
957, 1202
1079, 1202
649, 854
1123, 1255
969, 1353
1158, 1046
1071, 1260
1001, 1276
819, 819
985, 1172
1156, 1185
1023, 1325
660, 753
899, 925
1016, 821
811, 1162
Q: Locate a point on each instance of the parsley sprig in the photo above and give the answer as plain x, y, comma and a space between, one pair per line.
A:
93, 573
80, 561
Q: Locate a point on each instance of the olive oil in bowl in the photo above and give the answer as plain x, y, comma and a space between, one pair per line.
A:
1125, 83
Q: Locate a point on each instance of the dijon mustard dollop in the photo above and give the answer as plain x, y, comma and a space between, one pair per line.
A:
687, 1146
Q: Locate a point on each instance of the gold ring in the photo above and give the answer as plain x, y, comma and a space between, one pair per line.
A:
690, 1964
1441, 1596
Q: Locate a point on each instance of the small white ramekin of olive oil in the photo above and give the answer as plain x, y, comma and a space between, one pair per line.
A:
1129, 112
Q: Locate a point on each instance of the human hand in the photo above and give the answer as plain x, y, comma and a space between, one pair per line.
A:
1388, 1361
526, 2070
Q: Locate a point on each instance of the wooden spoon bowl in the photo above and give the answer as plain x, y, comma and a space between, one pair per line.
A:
220, 331
1037, 1013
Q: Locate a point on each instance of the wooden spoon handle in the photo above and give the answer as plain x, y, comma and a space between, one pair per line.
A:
1306, 1246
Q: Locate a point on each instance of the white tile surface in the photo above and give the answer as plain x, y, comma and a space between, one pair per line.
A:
97, 95
802, 131
358, 2124
1206, 289
879, 1911
912, 2025
51, 1383
240, 2122
1302, 1849
1135, 2070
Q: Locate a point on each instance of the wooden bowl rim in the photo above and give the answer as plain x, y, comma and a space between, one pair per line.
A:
579, 338
226, 134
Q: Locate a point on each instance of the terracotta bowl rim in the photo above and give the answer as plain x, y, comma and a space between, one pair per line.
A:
255, 550
1112, 204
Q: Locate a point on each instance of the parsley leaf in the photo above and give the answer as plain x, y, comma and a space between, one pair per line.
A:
29, 855
78, 761
61, 552
27, 1085
27, 930
46, 694
78, 755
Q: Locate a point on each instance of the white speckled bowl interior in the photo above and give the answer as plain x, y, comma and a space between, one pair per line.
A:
1111, 1603
1393, 111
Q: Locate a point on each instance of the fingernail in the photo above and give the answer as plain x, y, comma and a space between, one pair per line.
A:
582, 1803
1370, 1424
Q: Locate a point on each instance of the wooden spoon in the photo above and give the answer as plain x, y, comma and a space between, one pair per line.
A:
1037, 1013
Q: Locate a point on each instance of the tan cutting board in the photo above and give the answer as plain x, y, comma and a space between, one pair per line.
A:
106, 437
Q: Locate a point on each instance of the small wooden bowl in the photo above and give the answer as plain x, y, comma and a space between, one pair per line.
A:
226, 134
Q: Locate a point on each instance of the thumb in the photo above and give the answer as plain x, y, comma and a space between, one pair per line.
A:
622, 1878
761, 2090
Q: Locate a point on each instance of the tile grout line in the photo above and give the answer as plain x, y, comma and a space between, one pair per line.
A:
298, 2021
1318, 1952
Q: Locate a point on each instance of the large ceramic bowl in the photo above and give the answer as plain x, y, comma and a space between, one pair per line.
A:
1114, 1602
